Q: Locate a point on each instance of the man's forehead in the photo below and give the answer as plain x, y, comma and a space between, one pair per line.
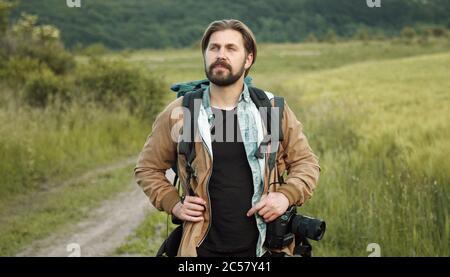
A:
226, 37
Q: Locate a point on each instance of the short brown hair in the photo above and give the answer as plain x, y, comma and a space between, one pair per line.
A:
232, 24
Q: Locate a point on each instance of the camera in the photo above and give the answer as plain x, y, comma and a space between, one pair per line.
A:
282, 231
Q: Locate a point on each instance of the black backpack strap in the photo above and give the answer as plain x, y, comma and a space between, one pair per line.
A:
186, 145
259, 97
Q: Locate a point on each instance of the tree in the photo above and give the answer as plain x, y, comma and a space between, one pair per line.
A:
169, 23
330, 37
5, 10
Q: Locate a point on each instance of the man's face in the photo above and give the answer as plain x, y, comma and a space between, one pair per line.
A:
225, 58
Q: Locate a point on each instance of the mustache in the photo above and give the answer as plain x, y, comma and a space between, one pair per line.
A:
220, 63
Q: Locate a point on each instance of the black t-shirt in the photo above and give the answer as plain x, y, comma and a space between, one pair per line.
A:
230, 188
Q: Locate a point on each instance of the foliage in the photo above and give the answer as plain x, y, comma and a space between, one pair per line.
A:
119, 24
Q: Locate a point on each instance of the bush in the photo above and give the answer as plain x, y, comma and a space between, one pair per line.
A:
107, 82
113, 83
380, 36
40, 42
362, 34
330, 36
439, 31
43, 87
18, 69
408, 33
96, 49
425, 35
55, 57
311, 38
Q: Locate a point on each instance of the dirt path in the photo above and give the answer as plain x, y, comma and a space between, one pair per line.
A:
31, 199
105, 229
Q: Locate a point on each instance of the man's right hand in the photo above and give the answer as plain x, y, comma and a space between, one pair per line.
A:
191, 209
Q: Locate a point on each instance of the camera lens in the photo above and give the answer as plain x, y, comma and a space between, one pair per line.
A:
308, 227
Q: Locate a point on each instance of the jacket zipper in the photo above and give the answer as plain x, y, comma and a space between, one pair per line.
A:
207, 193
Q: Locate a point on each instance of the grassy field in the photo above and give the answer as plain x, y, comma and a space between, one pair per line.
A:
40, 149
35, 216
377, 116
381, 130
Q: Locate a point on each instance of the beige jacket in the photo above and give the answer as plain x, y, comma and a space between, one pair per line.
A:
160, 153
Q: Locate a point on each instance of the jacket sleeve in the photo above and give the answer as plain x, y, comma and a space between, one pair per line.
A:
301, 163
158, 155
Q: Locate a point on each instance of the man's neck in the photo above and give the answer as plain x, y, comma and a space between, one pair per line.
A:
226, 97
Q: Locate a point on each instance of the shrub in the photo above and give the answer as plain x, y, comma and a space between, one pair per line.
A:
408, 33
42, 87
96, 49
439, 31
40, 42
362, 34
17, 69
114, 83
330, 36
54, 56
311, 38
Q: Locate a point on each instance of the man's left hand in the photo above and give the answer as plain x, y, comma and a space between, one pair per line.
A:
270, 206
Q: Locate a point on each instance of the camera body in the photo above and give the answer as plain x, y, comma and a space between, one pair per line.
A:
278, 234
289, 226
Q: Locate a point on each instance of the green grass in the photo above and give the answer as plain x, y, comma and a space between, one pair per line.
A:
148, 237
381, 130
43, 146
42, 149
377, 116
277, 62
49, 212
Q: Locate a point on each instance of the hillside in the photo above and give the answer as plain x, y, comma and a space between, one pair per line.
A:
174, 23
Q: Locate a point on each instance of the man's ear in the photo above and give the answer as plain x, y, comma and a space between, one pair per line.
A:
248, 61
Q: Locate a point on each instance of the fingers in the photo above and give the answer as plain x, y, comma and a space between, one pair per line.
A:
195, 200
192, 218
267, 214
258, 206
192, 206
267, 208
252, 211
263, 211
270, 218
193, 213
192, 209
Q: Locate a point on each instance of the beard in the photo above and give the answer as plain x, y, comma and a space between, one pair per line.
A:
226, 77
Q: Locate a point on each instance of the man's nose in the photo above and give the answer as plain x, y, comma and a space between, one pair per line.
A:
221, 54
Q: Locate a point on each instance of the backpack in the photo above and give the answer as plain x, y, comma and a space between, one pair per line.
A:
194, 90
